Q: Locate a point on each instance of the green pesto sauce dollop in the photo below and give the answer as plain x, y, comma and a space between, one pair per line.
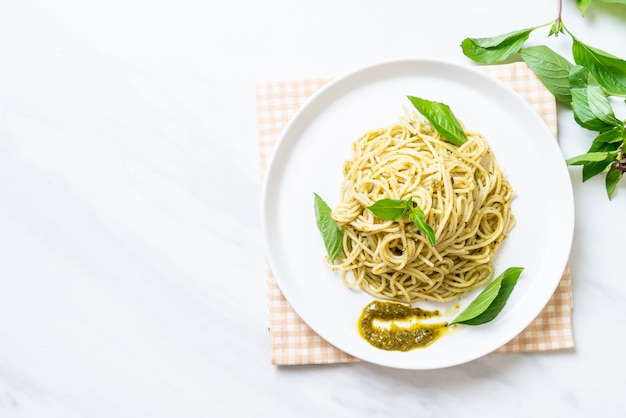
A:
402, 328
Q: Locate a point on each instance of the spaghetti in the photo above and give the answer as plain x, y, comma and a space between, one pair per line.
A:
465, 199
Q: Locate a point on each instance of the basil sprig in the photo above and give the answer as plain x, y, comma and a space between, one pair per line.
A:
584, 85
442, 118
491, 300
332, 234
394, 210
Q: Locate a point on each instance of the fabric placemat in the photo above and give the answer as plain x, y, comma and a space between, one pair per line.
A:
292, 341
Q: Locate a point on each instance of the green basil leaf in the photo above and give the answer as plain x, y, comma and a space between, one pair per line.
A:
591, 157
592, 109
495, 49
606, 141
331, 232
551, 68
591, 169
416, 215
491, 300
613, 176
394, 210
611, 136
391, 209
442, 118
582, 6
609, 70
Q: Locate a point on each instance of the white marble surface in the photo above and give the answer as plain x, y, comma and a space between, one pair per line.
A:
132, 275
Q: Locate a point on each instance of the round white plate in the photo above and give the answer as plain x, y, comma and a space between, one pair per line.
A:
309, 157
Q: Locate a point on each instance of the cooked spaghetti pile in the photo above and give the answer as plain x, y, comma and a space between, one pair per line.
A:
465, 199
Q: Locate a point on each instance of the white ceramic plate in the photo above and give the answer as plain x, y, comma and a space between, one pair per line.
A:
309, 156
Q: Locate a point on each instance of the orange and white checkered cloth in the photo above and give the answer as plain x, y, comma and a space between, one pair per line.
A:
292, 341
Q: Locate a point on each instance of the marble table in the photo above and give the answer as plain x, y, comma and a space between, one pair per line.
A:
132, 267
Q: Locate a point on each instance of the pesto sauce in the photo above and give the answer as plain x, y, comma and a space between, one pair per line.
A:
403, 330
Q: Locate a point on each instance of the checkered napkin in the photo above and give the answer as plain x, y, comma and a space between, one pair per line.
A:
292, 341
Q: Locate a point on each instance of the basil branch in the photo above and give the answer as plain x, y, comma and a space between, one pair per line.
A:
584, 85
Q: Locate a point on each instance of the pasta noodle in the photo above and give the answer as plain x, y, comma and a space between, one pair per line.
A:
463, 194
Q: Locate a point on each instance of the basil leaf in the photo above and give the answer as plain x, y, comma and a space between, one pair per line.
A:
416, 215
611, 137
606, 141
491, 300
609, 70
394, 210
551, 68
391, 209
582, 6
495, 49
442, 118
331, 232
592, 109
613, 176
591, 169
591, 157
